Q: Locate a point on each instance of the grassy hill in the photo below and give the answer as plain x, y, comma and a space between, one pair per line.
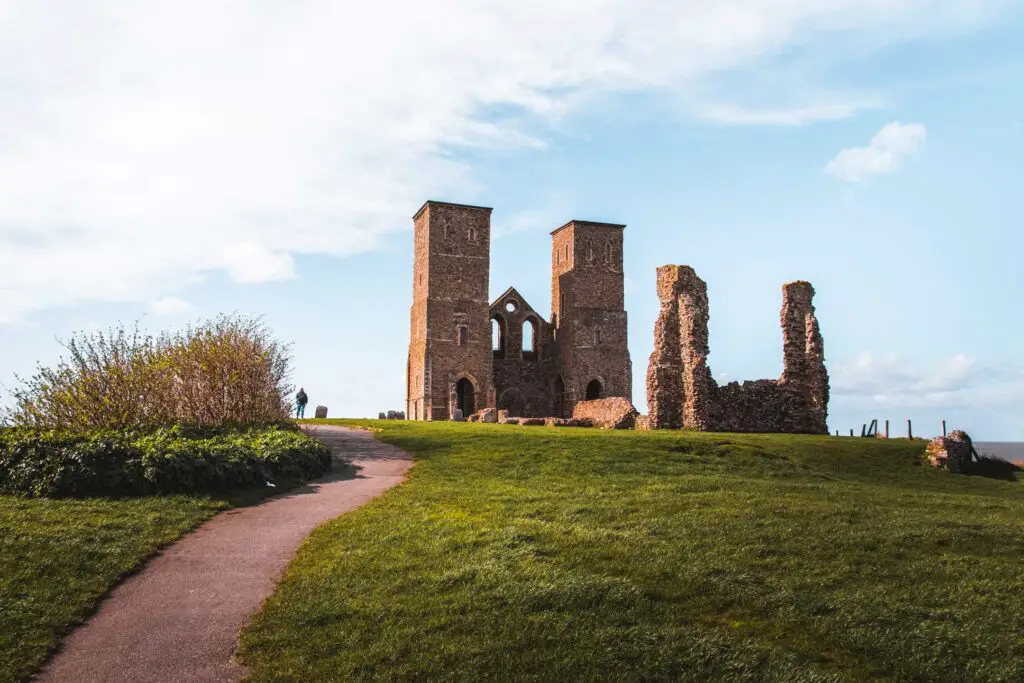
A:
533, 553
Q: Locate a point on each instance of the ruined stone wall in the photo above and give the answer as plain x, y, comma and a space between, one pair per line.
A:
682, 393
804, 355
762, 406
450, 329
680, 389
523, 376
589, 317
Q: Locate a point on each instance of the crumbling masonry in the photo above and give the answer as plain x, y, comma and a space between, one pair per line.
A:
682, 393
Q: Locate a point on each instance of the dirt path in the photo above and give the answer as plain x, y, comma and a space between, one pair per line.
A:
178, 619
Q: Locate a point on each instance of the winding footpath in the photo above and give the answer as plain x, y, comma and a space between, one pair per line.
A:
178, 619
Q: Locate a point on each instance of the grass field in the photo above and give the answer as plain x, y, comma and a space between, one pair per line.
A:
534, 553
58, 558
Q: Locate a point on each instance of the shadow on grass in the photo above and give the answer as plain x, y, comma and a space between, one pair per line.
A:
341, 470
994, 468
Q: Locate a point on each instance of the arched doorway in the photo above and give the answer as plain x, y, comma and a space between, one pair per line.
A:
559, 397
594, 390
464, 399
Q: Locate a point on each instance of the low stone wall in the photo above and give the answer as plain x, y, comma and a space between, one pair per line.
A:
608, 413
762, 406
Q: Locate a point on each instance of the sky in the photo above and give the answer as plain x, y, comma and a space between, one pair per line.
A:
168, 161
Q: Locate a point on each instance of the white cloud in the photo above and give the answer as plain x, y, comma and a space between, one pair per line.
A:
960, 381
886, 153
170, 305
146, 145
796, 116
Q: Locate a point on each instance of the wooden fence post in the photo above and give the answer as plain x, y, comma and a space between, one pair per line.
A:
910, 430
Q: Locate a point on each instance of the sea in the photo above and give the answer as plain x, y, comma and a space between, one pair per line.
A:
1007, 450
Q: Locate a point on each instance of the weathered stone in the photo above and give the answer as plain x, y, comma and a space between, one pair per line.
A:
538, 368
682, 393
680, 390
531, 421
954, 452
607, 413
643, 423
804, 358
457, 415
321, 412
502, 416
489, 415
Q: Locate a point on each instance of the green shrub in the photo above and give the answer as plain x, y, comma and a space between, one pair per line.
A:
59, 464
225, 371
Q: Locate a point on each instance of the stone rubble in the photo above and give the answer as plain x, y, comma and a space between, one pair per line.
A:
954, 452
607, 413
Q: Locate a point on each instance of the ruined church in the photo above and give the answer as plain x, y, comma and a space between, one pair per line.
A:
467, 353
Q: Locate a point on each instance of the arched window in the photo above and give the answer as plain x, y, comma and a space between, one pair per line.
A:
608, 252
597, 337
472, 233
593, 390
590, 251
498, 336
530, 338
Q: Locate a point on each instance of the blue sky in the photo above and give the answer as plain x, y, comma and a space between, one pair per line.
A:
177, 160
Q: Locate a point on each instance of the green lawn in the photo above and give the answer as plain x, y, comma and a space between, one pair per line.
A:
535, 553
58, 557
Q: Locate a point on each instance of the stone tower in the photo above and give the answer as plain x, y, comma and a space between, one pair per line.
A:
588, 315
449, 363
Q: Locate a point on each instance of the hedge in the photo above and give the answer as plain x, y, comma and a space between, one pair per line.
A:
55, 464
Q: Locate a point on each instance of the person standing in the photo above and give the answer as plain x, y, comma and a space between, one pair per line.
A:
300, 403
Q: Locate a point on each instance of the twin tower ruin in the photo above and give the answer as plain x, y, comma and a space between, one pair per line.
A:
467, 353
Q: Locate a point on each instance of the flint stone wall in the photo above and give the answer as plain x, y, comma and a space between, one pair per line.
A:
608, 413
681, 391
953, 452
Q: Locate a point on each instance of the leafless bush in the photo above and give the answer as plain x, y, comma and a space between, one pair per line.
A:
228, 370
